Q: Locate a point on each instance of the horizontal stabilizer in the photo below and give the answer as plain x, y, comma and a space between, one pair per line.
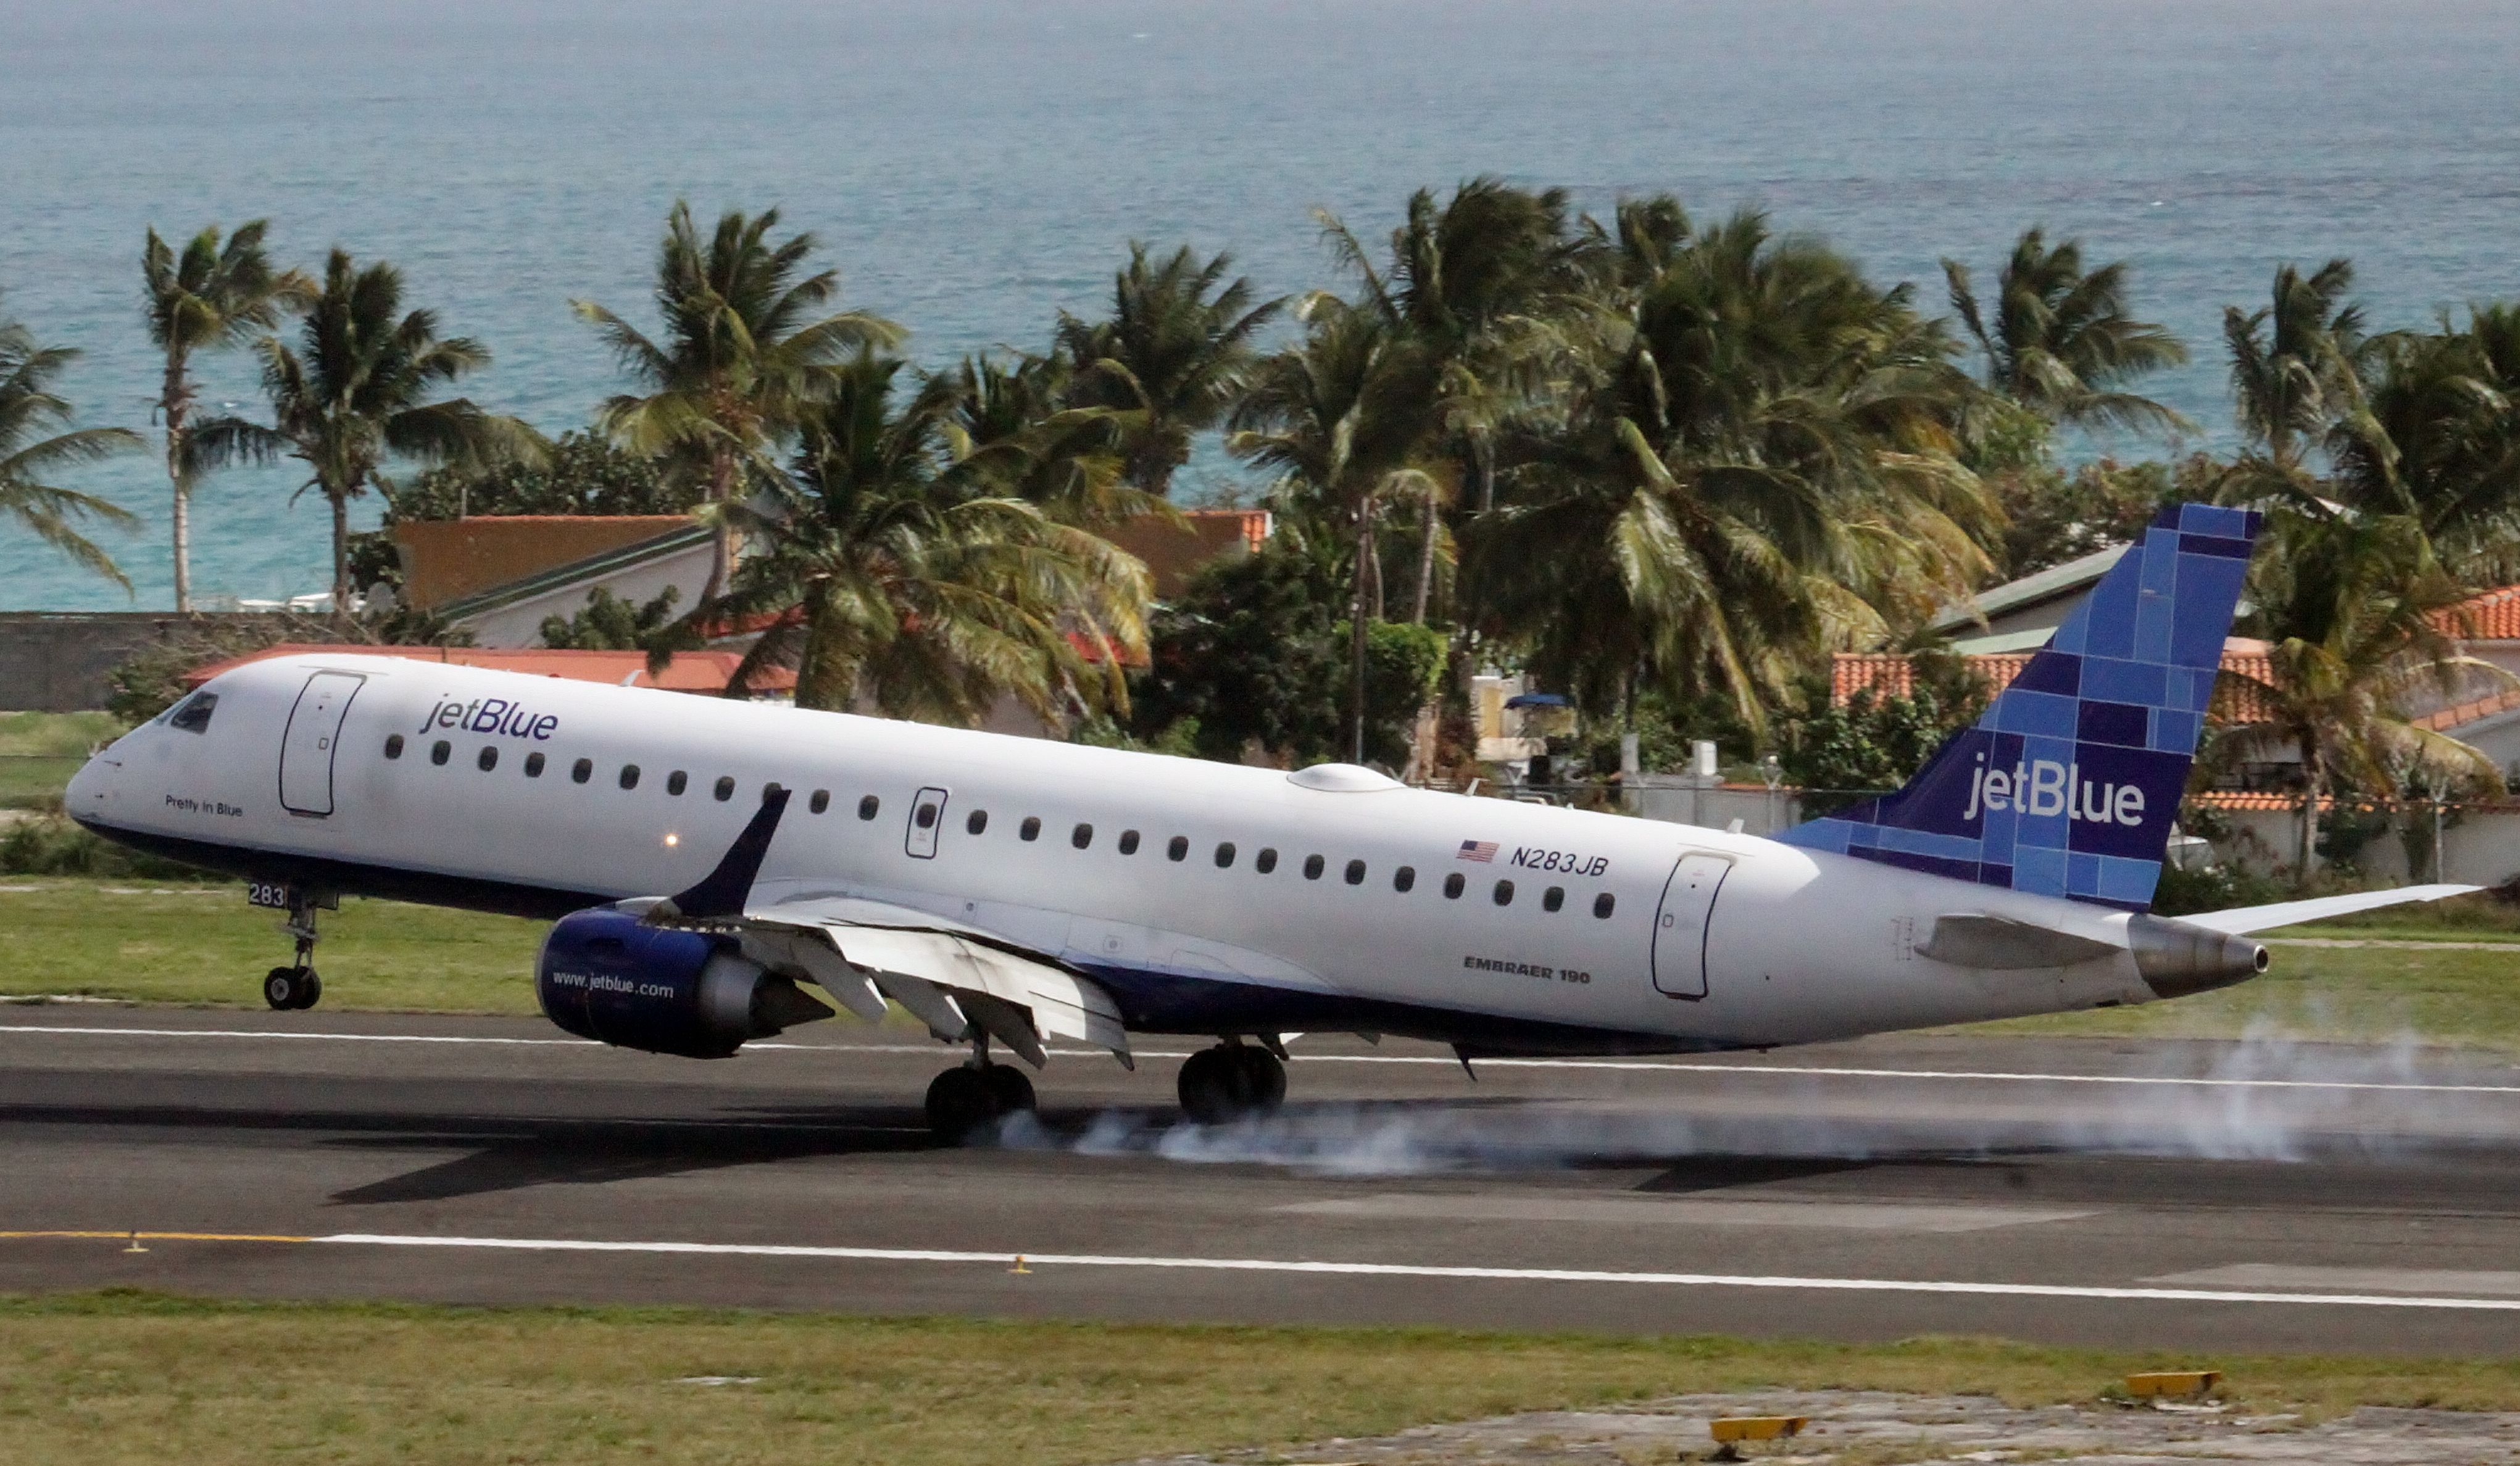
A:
1999, 943
2249, 919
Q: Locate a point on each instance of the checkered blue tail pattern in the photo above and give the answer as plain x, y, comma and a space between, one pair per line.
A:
2069, 786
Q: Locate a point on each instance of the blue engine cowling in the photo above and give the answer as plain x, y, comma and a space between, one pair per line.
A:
609, 976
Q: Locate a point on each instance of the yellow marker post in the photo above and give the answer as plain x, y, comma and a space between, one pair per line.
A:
2161, 1382
1729, 1431
1020, 1265
135, 1243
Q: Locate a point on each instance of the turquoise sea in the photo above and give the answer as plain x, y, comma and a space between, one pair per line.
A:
974, 165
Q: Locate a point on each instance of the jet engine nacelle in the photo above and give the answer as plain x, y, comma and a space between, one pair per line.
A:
609, 976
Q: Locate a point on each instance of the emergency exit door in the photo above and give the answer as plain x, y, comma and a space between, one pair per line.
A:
308, 744
1680, 924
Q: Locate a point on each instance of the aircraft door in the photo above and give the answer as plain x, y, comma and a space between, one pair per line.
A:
306, 747
926, 818
1680, 924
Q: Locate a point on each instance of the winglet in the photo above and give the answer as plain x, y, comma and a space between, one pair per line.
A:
724, 890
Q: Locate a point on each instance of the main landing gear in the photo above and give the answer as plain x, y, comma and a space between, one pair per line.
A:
1230, 1080
968, 1098
289, 989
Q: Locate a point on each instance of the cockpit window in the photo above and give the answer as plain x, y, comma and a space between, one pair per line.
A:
192, 714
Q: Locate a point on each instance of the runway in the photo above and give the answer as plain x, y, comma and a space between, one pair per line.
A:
2182, 1195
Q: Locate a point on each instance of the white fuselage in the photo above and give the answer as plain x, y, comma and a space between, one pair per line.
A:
1796, 945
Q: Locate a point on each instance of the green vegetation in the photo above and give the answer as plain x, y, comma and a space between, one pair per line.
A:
133, 1377
148, 941
36, 441
40, 751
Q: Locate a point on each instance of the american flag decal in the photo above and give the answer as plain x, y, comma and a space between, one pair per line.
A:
1482, 851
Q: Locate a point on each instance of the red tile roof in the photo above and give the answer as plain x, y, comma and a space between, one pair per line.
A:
688, 672
1890, 674
2490, 616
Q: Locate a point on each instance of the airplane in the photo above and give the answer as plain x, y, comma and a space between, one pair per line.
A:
706, 862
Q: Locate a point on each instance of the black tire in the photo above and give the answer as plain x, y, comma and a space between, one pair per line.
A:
1218, 1085
280, 988
959, 1101
310, 989
1264, 1078
1011, 1088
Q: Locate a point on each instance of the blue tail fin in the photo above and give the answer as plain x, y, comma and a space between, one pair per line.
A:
2070, 783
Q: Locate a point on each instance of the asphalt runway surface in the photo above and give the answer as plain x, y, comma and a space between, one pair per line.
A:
2180, 1195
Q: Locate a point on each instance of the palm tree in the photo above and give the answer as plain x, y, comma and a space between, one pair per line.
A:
1758, 465
743, 357
214, 294
895, 577
1339, 417
1485, 287
1010, 431
2440, 440
2351, 606
356, 392
2294, 364
2061, 342
1170, 358
30, 452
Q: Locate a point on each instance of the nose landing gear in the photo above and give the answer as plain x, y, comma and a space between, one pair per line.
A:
1230, 1080
294, 988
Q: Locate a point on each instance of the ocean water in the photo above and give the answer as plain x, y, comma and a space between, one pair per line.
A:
973, 166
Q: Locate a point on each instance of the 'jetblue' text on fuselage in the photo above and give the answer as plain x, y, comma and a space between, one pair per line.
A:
491, 715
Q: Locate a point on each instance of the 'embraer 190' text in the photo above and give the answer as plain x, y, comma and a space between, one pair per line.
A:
491, 715
2043, 786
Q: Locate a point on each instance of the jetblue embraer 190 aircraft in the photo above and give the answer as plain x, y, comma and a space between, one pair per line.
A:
707, 862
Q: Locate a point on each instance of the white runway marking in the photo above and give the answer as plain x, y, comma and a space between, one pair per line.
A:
1641, 1211
1041, 1260
2362, 1279
1646, 1066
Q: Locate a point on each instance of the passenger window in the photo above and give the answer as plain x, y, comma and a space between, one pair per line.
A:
489, 758
1604, 905
1311, 867
1404, 879
440, 751
924, 816
868, 805
1504, 893
1127, 842
1265, 862
1554, 899
725, 789
194, 714
1081, 836
1355, 872
677, 782
1179, 849
534, 764
394, 746
1225, 856
821, 801
578, 773
1453, 885
629, 776
978, 821
1030, 830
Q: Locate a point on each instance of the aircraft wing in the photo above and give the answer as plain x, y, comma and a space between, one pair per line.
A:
953, 977
956, 978
2240, 921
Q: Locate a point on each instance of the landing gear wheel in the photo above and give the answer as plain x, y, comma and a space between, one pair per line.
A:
1228, 1082
1011, 1086
959, 1101
290, 988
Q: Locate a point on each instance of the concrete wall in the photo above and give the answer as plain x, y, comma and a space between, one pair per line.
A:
1682, 799
2480, 846
56, 661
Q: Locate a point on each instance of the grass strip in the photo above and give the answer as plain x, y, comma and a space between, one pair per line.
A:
123, 1376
